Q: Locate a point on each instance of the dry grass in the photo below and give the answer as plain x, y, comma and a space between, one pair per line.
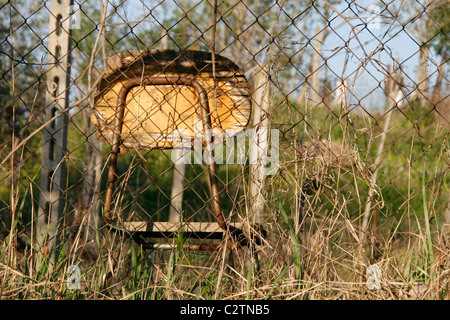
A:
330, 263
323, 258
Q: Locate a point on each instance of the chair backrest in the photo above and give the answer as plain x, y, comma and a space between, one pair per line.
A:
155, 114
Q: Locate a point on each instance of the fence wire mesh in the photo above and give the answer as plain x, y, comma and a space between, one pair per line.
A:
329, 122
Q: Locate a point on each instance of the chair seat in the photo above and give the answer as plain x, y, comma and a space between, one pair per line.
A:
159, 116
199, 230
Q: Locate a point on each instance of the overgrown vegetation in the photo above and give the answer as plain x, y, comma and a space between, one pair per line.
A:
316, 246
325, 261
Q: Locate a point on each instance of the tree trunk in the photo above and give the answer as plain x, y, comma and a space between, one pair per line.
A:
312, 81
441, 103
341, 94
176, 200
87, 216
422, 67
314, 77
394, 96
438, 84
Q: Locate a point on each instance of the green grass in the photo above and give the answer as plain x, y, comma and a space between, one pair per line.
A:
328, 261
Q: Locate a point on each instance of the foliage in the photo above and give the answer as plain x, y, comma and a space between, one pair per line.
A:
327, 259
438, 27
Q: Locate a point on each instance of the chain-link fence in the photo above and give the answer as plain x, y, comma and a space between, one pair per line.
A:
257, 148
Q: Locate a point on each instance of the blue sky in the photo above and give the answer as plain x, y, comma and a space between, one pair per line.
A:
396, 44
364, 46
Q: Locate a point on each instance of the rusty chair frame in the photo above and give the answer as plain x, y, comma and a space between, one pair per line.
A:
237, 236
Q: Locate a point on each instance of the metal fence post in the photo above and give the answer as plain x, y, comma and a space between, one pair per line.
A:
53, 172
